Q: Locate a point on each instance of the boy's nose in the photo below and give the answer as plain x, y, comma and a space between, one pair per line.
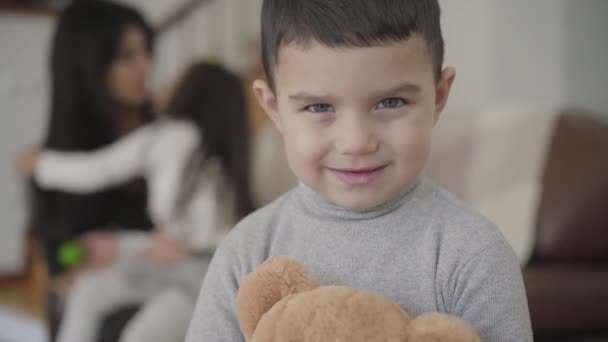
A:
355, 136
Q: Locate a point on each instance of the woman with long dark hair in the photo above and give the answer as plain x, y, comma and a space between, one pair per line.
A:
100, 65
195, 161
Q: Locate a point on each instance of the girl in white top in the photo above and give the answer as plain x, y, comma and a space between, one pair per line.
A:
196, 166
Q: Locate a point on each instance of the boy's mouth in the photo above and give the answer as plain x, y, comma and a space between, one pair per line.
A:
359, 177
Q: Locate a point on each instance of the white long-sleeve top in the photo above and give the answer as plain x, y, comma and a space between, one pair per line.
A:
159, 152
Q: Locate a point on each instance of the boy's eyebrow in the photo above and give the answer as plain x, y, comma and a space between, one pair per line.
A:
304, 96
406, 87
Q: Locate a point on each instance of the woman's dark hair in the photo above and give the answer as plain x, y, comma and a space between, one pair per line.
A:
214, 99
86, 41
84, 117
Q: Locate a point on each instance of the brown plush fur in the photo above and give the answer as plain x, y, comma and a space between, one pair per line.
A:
272, 281
280, 302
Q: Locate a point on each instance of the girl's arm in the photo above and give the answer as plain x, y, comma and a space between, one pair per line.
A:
87, 172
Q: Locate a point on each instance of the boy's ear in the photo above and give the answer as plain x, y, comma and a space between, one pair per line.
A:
444, 86
268, 100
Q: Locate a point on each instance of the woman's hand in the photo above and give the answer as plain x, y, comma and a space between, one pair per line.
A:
26, 162
164, 250
101, 248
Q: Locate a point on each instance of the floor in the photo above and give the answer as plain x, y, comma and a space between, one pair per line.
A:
23, 300
26, 293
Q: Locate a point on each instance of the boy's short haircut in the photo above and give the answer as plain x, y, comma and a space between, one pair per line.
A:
348, 23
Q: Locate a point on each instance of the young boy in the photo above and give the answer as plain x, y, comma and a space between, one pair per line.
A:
355, 87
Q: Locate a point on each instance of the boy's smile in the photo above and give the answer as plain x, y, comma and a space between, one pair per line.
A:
356, 121
363, 176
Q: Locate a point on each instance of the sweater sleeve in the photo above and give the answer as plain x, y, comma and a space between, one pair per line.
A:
488, 292
88, 172
215, 318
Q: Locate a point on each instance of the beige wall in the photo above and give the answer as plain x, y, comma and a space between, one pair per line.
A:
507, 53
219, 30
586, 53
23, 98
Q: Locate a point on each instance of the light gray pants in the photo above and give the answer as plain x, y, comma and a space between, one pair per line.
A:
167, 303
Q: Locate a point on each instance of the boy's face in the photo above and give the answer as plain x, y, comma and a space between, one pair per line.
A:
356, 121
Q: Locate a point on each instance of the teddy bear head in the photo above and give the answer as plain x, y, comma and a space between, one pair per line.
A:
280, 301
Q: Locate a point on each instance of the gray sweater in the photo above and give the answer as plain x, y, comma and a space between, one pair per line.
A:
425, 250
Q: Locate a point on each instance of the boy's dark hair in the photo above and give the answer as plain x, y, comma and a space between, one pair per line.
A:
348, 23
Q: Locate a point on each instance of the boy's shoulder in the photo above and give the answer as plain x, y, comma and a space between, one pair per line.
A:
456, 222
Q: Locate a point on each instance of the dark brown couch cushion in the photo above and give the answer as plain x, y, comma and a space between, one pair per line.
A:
572, 219
566, 300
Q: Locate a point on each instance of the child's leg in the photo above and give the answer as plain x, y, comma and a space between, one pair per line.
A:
94, 295
165, 318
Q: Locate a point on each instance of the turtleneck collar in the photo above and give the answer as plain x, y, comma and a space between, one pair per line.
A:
319, 205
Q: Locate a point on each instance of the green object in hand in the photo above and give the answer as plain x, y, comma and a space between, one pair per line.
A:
70, 254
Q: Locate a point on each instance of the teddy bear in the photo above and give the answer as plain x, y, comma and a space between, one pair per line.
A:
281, 302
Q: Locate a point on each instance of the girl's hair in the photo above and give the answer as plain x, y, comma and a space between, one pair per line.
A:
213, 99
84, 117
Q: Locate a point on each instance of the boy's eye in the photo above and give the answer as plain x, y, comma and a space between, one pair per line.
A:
319, 108
393, 102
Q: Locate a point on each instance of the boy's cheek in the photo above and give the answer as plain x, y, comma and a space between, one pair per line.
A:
413, 152
305, 146
303, 132
412, 126
422, 116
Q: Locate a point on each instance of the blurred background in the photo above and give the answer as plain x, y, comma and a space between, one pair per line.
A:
524, 138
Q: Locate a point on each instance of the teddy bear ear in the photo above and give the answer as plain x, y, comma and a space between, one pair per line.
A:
272, 281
